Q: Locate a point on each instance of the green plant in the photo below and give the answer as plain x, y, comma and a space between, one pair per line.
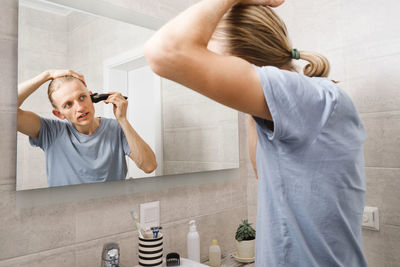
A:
245, 231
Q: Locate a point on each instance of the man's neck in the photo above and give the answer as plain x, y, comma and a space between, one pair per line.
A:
89, 129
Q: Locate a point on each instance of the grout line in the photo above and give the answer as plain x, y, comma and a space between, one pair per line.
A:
378, 167
379, 112
207, 214
58, 250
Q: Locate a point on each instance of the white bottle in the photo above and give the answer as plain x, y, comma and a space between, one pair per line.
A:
214, 254
193, 242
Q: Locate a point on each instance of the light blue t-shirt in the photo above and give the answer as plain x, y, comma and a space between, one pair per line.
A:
311, 183
75, 158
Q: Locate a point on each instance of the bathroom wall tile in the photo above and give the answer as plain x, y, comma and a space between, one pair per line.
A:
252, 190
336, 60
382, 147
30, 158
41, 19
44, 259
75, 20
181, 203
183, 107
32, 63
30, 230
175, 236
214, 197
318, 19
252, 215
383, 246
42, 31
89, 253
106, 216
383, 185
243, 143
169, 9
374, 87
221, 226
217, 144
8, 75
9, 20
151, 7
8, 144
82, 254
377, 23
226, 225
239, 192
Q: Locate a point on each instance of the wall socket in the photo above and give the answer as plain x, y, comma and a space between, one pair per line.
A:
371, 218
150, 214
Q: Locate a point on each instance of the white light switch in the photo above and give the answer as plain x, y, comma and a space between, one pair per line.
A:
371, 218
150, 214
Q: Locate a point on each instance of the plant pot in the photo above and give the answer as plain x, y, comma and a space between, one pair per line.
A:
245, 248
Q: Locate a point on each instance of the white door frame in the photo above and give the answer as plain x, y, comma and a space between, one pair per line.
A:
120, 65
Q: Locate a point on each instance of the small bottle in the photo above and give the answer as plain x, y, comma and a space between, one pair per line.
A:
214, 254
193, 242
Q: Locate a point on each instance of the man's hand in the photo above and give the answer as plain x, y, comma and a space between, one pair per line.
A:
54, 74
120, 105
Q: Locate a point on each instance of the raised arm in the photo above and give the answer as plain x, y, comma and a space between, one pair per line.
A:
178, 51
29, 122
141, 153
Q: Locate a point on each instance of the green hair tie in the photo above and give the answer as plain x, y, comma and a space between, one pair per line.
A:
295, 53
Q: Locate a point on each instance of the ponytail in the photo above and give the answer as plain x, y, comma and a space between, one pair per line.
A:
318, 65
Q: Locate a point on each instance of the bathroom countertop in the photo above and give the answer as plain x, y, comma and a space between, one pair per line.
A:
229, 261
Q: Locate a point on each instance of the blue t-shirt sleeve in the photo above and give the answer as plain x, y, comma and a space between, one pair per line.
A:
49, 130
299, 106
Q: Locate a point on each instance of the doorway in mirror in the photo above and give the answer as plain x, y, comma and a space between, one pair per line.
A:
129, 74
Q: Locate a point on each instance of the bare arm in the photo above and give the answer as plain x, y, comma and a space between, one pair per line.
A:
29, 122
178, 51
252, 139
141, 153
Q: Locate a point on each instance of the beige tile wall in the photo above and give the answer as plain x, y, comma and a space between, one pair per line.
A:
72, 232
48, 235
199, 134
361, 42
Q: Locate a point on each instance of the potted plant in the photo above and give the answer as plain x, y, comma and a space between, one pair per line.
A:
245, 240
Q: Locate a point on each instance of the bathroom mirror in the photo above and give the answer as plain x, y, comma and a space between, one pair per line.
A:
188, 132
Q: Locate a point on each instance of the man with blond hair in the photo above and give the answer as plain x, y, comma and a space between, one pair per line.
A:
81, 148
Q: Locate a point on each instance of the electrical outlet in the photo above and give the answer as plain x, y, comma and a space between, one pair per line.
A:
150, 214
371, 218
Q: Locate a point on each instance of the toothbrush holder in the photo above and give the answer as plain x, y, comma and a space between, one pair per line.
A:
151, 251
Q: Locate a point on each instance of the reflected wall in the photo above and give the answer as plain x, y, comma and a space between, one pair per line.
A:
197, 133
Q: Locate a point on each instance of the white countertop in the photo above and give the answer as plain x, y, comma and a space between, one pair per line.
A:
186, 263
228, 261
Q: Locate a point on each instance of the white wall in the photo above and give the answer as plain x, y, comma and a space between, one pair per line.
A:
42, 46
360, 38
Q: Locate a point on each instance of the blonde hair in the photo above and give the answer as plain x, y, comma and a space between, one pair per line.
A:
56, 83
258, 35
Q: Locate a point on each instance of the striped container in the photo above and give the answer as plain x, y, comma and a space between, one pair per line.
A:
151, 251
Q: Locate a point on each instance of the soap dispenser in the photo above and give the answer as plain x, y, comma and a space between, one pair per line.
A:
193, 242
214, 254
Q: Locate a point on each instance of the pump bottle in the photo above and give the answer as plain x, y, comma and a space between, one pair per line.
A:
193, 242
214, 254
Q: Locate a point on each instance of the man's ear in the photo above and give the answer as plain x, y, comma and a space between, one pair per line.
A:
58, 114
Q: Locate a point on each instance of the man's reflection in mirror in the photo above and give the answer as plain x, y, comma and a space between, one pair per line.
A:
79, 147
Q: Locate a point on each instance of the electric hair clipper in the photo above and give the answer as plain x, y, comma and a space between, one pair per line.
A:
101, 97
